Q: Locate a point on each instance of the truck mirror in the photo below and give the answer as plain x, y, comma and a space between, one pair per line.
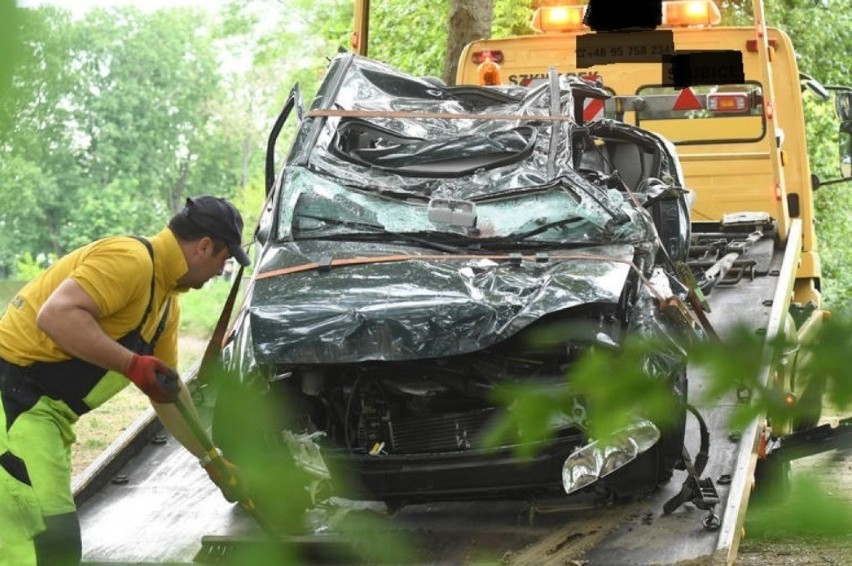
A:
843, 105
814, 85
846, 149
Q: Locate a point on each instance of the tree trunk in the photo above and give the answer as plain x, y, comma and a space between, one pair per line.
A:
469, 20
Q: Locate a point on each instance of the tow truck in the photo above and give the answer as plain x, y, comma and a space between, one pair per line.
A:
741, 142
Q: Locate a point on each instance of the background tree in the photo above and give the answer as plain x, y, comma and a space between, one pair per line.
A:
35, 149
112, 126
469, 20
512, 17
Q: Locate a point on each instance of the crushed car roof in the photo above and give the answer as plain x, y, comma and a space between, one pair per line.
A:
484, 198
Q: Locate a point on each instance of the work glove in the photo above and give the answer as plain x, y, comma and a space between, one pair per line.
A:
227, 476
156, 380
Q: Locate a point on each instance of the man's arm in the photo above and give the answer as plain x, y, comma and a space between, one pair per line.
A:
70, 318
174, 422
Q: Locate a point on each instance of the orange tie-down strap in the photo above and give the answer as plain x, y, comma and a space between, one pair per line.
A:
328, 113
328, 263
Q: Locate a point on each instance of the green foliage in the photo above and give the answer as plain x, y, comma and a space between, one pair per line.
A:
9, 52
512, 17
200, 309
828, 359
25, 224
532, 410
250, 203
636, 387
410, 36
112, 128
28, 267
810, 511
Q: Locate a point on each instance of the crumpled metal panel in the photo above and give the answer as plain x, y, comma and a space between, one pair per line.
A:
364, 85
369, 85
334, 202
419, 308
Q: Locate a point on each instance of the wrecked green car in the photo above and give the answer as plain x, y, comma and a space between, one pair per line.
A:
415, 240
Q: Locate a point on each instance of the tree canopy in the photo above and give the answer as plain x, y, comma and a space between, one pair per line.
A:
111, 119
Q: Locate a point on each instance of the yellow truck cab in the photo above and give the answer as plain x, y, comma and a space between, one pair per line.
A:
741, 139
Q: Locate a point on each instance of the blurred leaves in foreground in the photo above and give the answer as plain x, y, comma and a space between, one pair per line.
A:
624, 383
623, 380
290, 489
810, 511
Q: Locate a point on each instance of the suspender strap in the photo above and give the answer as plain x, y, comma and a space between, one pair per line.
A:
150, 249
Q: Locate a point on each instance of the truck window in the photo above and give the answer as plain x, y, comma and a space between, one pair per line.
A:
704, 114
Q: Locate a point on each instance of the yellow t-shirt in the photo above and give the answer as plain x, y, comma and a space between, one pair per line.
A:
116, 273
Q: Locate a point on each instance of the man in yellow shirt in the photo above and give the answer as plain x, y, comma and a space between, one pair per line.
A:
103, 316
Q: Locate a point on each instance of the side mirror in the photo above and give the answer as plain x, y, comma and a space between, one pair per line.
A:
843, 104
814, 85
845, 146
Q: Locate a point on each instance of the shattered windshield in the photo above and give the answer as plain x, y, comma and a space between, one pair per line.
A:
551, 214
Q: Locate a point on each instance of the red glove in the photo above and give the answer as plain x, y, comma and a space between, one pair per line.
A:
156, 380
227, 477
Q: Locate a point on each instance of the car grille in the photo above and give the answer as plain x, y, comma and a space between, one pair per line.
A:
440, 433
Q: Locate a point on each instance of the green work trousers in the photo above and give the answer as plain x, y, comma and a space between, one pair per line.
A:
38, 521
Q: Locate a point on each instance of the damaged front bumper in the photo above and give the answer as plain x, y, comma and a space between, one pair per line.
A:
490, 473
468, 474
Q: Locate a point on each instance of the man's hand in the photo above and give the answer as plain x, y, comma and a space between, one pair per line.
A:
143, 370
228, 478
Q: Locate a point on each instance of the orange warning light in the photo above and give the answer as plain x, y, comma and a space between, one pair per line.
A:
691, 13
557, 19
489, 73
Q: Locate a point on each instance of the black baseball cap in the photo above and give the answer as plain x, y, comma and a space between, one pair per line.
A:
219, 219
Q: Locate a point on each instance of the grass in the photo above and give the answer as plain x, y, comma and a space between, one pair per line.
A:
200, 309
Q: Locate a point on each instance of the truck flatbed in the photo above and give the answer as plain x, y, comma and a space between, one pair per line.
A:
163, 509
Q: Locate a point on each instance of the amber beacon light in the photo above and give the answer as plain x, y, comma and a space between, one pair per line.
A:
679, 13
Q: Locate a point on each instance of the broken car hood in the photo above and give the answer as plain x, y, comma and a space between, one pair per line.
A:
405, 307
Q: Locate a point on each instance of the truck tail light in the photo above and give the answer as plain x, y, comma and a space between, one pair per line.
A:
734, 102
557, 19
691, 13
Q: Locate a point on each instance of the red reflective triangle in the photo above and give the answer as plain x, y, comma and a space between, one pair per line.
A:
687, 100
